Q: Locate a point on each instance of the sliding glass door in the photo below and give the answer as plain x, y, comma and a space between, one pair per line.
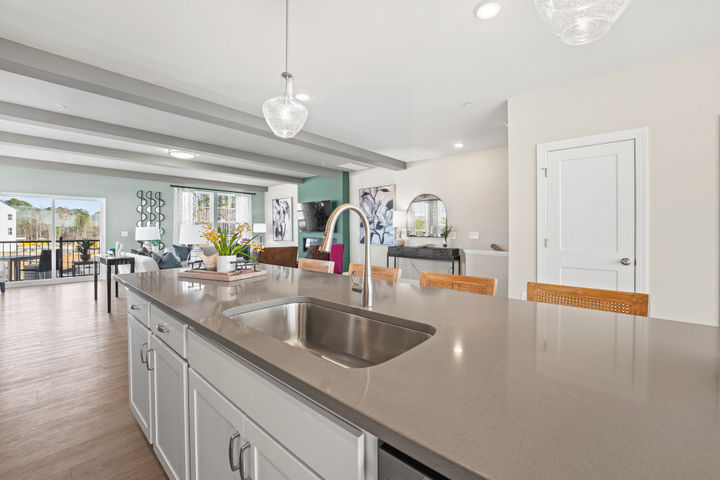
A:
50, 238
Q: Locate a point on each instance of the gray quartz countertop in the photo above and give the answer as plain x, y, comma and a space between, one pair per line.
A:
505, 389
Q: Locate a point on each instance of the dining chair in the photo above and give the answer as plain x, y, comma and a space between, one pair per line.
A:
377, 272
315, 253
316, 265
463, 283
592, 298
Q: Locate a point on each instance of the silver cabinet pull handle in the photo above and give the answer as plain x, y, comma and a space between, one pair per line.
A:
234, 467
134, 307
162, 328
245, 446
143, 359
147, 362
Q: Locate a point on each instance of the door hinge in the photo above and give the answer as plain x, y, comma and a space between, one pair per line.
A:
546, 243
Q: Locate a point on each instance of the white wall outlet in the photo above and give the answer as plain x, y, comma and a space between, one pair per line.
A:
124, 233
474, 235
524, 295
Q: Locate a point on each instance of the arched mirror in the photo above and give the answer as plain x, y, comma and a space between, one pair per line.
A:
426, 216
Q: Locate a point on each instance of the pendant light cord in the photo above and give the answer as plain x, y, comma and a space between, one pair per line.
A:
287, 29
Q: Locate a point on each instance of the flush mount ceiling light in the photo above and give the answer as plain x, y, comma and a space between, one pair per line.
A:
487, 10
303, 97
578, 22
458, 145
180, 154
285, 115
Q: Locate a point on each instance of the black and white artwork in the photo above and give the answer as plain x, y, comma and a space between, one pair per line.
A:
282, 219
377, 203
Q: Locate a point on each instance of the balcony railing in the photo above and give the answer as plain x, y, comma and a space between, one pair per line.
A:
32, 259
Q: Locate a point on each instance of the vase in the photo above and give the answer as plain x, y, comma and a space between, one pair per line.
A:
85, 257
445, 243
226, 263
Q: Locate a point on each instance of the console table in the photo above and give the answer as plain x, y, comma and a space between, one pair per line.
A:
425, 253
110, 261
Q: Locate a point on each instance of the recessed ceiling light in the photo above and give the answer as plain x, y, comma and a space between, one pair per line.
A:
60, 107
458, 145
487, 10
182, 155
303, 97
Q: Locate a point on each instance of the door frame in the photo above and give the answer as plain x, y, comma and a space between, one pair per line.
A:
640, 137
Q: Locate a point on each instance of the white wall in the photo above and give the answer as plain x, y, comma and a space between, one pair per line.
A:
280, 191
679, 101
473, 186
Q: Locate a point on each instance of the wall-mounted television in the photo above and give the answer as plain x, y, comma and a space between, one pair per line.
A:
313, 216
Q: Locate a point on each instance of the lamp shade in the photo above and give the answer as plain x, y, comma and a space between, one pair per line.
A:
147, 233
259, 228
191, 234
399, 219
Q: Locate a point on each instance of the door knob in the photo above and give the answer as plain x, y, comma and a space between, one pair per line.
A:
626, 261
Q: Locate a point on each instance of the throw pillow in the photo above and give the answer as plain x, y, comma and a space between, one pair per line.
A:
181, 251
166, 261
208, 250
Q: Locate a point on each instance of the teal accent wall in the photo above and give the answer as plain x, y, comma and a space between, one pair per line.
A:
119, 194
315, 189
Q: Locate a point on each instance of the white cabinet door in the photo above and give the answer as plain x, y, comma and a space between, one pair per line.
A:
170, 388
140, 376
216, 433
267, 460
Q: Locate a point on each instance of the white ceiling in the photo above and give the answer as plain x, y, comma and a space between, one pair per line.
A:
391, 77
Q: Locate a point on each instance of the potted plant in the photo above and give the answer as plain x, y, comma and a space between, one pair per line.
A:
231, 244
445, 233
83, 247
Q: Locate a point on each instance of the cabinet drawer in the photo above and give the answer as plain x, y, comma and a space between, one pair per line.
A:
138, 308
327, 444
169, 330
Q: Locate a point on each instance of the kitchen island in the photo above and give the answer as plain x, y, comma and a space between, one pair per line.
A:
502, 389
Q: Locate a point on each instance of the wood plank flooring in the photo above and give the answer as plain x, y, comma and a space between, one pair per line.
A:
64, 388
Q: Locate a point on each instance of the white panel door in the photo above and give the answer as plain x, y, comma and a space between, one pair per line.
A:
140, 376
170, 389
590, 216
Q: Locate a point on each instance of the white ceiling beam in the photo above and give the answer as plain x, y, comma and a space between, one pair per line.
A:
51, 144
113, 172
31, 62
46, 118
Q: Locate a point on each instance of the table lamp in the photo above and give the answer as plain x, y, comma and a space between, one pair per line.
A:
192, 235
259, 228
400, 224
147, 235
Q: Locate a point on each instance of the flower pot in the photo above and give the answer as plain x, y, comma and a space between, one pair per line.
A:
226, 263
85, 257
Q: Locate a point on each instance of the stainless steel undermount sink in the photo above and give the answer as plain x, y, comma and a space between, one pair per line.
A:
346, 339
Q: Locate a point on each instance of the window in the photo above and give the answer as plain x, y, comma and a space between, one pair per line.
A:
227, 211
219, 209
10, 231
9, 216
202, 208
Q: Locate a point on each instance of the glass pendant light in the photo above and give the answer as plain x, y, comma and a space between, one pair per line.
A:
284, 115
578, 22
